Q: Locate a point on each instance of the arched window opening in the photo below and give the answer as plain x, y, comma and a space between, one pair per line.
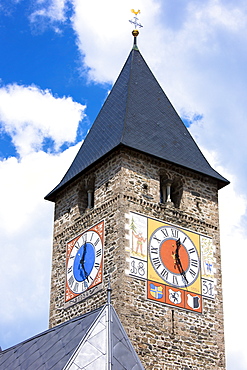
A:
171, 191
90, 198
177, 192
86, 194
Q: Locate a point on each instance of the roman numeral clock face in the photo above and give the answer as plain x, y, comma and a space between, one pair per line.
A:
84, 264
174, 257
176, 263
174, 267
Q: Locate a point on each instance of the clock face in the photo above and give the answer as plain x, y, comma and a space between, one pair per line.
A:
176, 263
174, 257
84, 263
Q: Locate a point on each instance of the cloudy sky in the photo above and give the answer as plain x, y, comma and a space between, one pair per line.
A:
58, 60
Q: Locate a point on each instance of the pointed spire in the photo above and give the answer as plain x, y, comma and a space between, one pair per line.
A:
138, 114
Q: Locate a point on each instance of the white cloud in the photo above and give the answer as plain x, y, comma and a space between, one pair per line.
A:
233, 209
52, 10
106, 25
29, 115
233, 212
221, 14
26, 240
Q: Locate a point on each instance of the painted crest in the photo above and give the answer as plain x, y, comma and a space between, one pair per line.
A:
193, 301
175, 296
156, 291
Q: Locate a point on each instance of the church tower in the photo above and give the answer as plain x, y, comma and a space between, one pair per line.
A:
139, 207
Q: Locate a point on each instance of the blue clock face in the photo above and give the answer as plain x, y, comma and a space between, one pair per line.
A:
84, 262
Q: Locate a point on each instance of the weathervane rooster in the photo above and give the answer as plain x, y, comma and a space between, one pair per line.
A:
135, 21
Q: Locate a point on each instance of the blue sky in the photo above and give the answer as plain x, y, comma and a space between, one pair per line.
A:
58, 61
29, 47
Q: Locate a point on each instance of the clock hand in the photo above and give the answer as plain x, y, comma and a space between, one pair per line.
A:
178, 262
178, 245
82, 261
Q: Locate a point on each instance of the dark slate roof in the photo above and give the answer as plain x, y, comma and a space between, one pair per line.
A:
92, 341
49, 350
124, 356
138, 114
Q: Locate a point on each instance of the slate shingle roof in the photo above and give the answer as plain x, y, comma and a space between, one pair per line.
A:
50, 349
88, 342
138, 114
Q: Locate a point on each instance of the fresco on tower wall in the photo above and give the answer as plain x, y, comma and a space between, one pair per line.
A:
138, 245
176, 263
207, 266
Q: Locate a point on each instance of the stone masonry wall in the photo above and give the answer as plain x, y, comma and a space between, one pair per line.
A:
164, 338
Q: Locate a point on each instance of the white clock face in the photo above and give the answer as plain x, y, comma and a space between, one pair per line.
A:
174, 256
84, 262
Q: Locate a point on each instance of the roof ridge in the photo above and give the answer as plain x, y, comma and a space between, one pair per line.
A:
91, 327
128, 90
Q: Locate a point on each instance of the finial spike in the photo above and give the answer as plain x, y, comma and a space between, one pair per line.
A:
134, 21
109, 290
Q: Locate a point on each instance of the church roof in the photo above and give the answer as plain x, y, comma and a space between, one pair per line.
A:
96, 340
138, 114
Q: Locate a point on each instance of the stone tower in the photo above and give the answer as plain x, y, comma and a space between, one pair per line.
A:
139, 206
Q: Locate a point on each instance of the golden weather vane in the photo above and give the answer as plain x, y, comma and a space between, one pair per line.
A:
136, 20
136, 12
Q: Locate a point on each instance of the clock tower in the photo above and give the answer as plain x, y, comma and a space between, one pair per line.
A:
139, 206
